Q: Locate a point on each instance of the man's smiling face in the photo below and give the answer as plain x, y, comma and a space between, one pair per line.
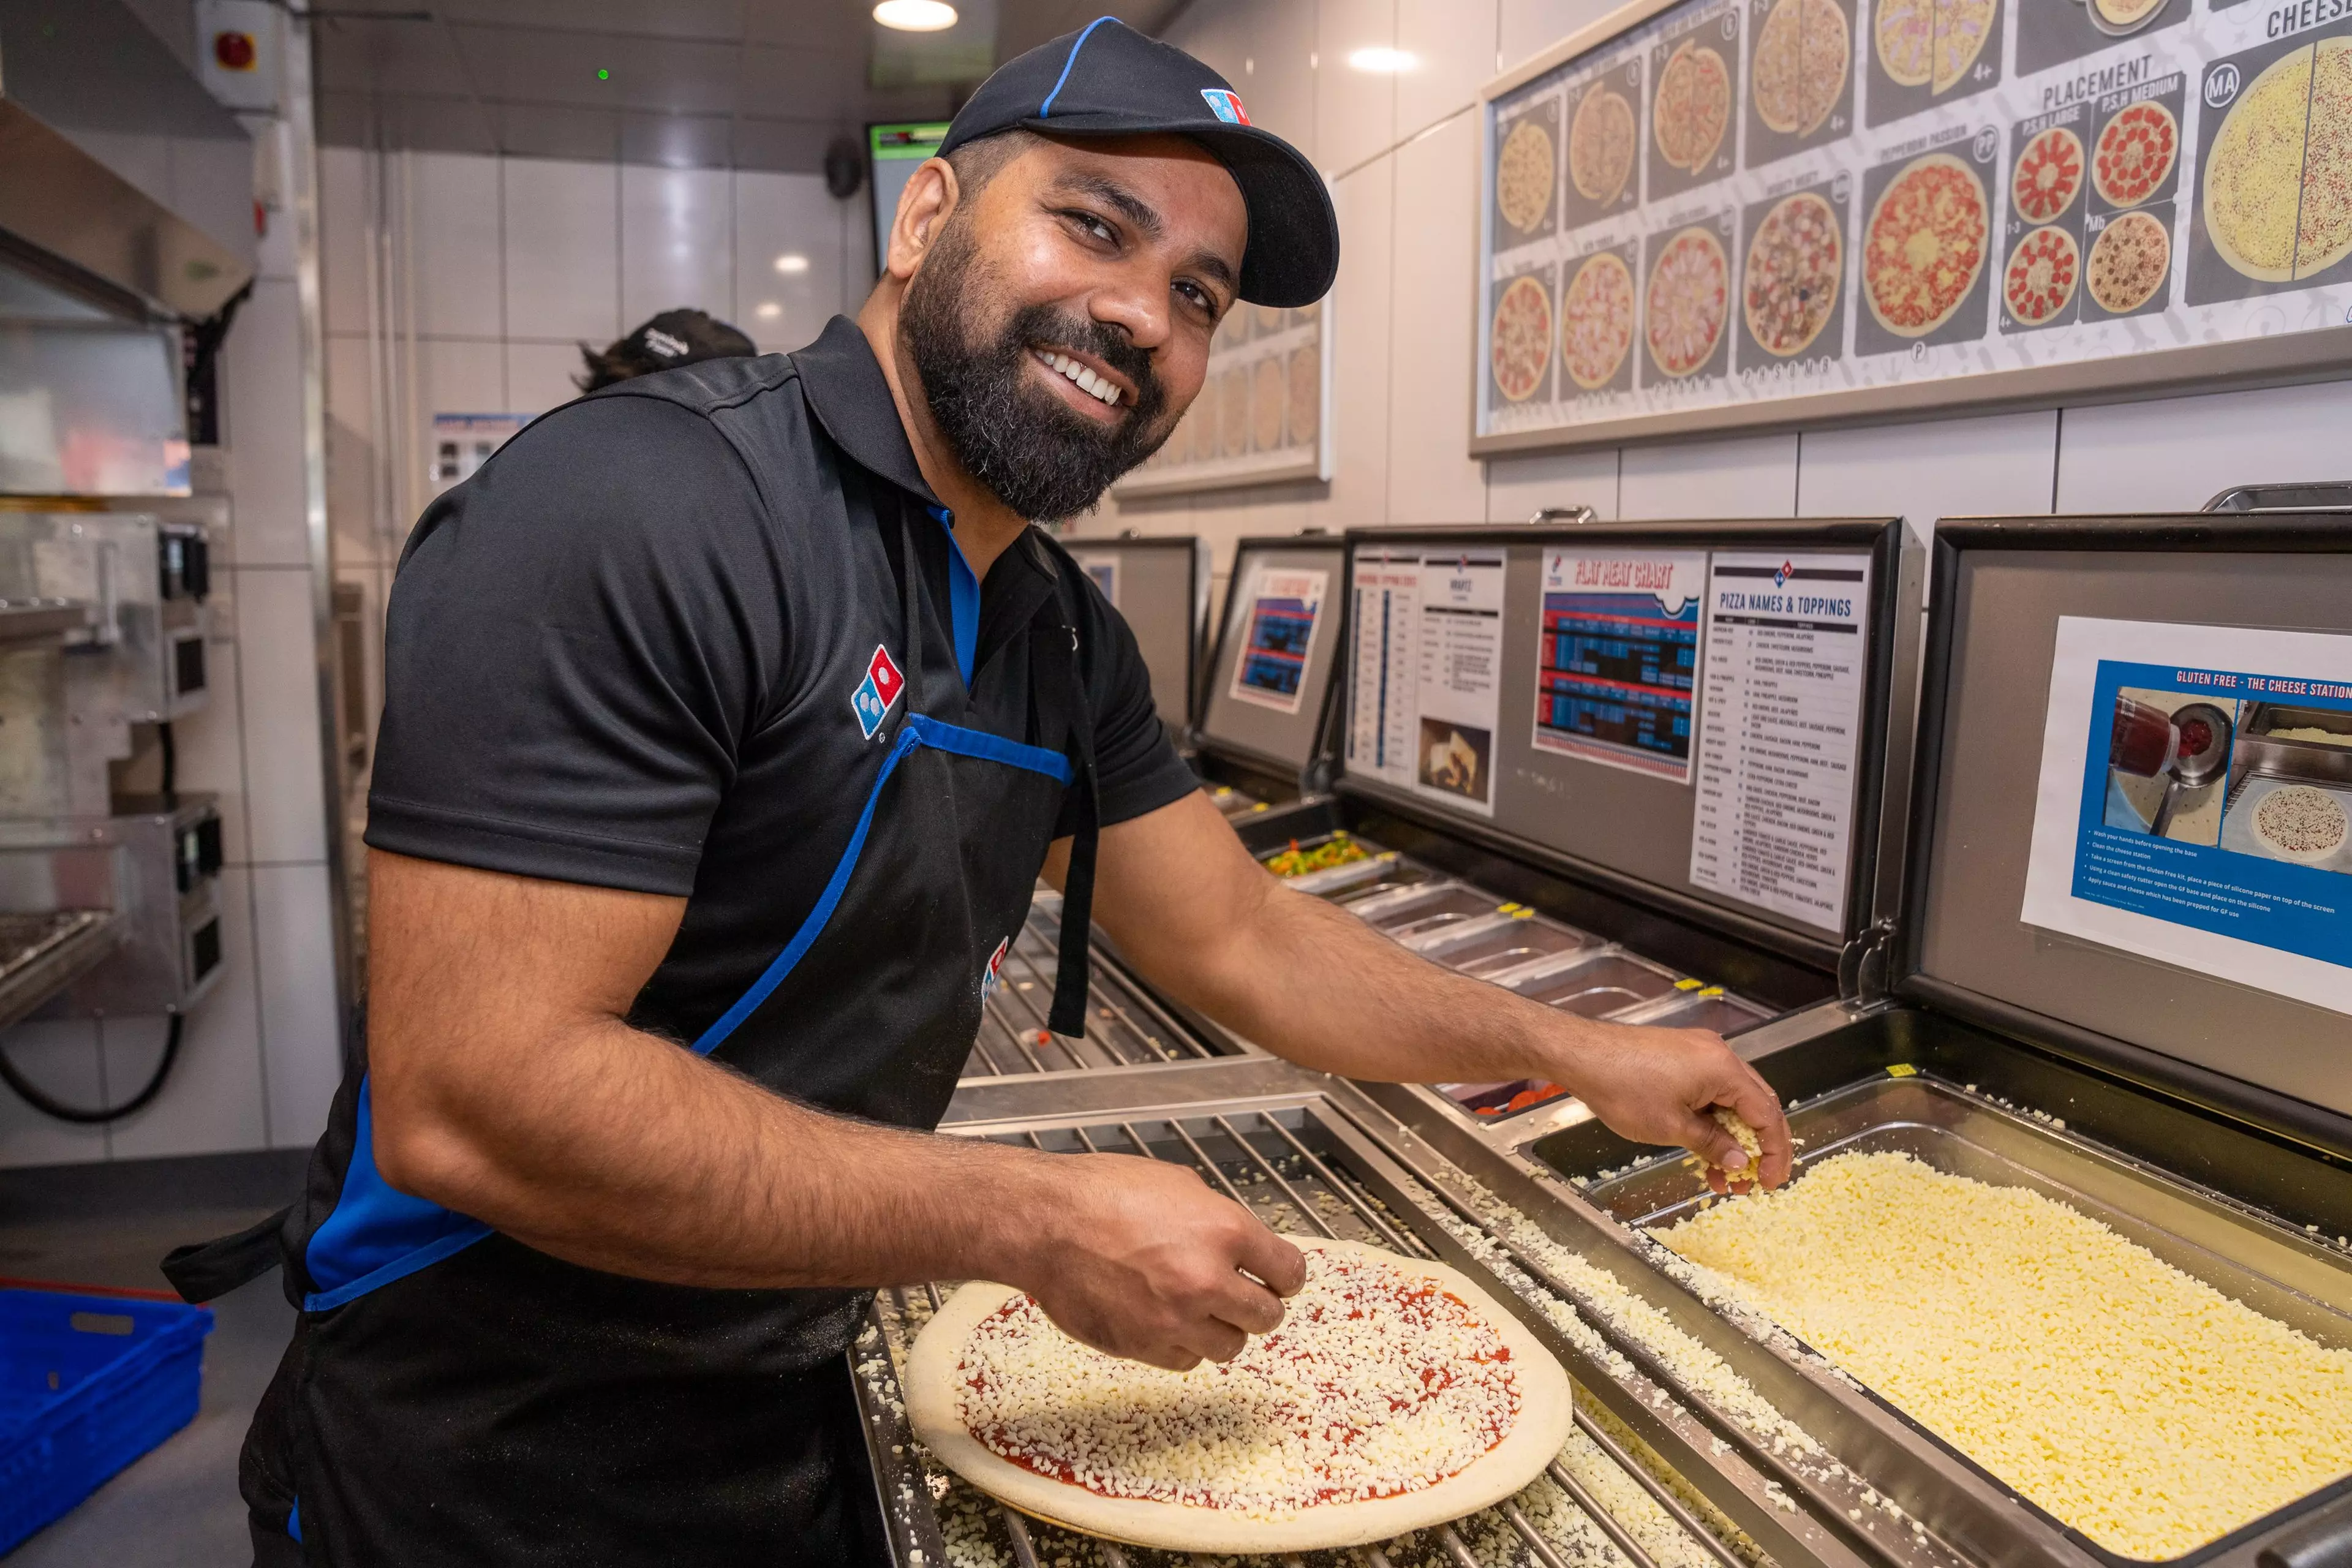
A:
1060, 321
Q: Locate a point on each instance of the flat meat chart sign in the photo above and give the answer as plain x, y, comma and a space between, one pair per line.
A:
2195, 801
1282, 605
1617, 658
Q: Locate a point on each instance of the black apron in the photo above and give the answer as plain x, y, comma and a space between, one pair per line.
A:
494, 1404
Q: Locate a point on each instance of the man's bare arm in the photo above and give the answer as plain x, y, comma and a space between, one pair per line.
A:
1187, 905
505, 1085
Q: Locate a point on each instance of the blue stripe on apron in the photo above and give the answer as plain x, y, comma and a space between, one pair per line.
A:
377, 1234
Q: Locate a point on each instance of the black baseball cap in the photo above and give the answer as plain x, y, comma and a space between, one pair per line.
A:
1108, 79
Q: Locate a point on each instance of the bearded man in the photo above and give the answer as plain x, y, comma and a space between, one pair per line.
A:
731, 714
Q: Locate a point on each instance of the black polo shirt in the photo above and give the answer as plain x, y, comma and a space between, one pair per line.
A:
609, 654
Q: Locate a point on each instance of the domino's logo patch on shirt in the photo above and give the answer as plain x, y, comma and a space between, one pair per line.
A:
993, 975
1225, 105
872, 700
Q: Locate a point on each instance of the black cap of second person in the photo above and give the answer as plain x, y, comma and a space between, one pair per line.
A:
1108, 79
685, 337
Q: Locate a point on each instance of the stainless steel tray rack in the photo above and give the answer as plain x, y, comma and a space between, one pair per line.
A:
1126, 1026
1652, 1482
41, 954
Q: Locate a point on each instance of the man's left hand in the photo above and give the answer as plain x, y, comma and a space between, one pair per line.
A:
1658, 1086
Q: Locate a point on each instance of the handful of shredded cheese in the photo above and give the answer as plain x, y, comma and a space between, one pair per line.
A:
1729, 1120
2139, 1405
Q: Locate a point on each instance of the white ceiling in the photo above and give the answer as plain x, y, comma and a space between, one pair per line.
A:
752, 84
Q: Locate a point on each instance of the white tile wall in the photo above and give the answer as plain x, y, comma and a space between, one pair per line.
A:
539, 377
791, 218
302, 1051
1452, 47
1360, 325
562, 262
278, 689
62, 1060
1749, 477
1355, 111
262, 402
1920, 472
677, 241
454, 240
346, 201
1432, 477
2145, 456
1517, 488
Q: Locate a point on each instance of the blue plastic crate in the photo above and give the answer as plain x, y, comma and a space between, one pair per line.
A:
88, 1383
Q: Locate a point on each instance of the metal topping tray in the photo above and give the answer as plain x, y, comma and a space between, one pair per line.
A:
1126, 1026
2284, 1272
1308, 1164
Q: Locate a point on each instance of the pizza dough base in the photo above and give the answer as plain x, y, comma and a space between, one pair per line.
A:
2254, 175
2277, 850
1547, 1410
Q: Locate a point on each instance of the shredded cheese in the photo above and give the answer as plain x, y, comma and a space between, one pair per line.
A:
1729, 1120
1376, 1385
2137, 1405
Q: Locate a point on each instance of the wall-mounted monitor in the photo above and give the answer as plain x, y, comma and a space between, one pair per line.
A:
893, 153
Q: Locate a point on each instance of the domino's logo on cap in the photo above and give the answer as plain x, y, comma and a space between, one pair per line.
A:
1226, 105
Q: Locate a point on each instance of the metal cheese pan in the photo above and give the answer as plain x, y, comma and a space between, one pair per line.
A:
2211, 1197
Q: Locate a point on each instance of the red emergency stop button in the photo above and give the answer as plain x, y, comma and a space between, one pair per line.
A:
235, 51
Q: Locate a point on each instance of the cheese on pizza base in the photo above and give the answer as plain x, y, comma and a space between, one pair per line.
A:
1596, 321
1790, 289
1601, 145
1394, 1383
2128, 262
1523, 175
2048, 177
1802, 54
1689, 299
1924, 247
2135, 153
2253, 174
2324, 232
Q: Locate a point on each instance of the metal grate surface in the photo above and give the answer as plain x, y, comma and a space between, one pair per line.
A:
1300, 1168
1125, 1027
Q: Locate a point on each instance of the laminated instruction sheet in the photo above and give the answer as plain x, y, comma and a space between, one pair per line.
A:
1428, 670
2195, 801
1282, 605
1781, 681
1617, 658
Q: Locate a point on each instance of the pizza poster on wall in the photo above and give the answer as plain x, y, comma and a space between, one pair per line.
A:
1264, 412
1737, 205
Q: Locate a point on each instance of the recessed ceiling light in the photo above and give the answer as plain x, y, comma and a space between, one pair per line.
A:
915, 15
1382, 62
767, 310
792, 262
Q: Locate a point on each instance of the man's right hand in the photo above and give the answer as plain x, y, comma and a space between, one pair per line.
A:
1142, 1259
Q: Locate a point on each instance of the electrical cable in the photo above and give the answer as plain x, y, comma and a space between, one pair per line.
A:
85, 1116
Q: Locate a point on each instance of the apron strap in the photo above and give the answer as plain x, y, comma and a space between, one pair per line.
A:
1068, 1015
210, 1268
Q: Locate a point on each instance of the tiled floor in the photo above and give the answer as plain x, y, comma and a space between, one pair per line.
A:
178, 1507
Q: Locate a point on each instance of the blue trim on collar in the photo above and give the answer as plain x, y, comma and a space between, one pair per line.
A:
963, 598
1046, 108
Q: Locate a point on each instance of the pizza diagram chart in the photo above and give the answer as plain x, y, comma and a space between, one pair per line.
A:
1799, 73
2048, 175
1693, 107
1906, 34
1688, 302
2134, 155
2040, 277
1868, 193
1521, 338
2127, 263
1932, 43
1790, 290
2123, 16
1269, 393
1523, 175
1924, 247
1596, 321
1600, 141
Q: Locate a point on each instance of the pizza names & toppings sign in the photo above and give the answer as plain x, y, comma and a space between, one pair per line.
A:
1736, 213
